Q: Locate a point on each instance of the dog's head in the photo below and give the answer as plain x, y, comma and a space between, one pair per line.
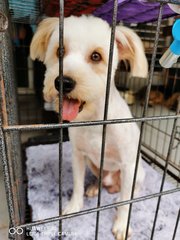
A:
85, 61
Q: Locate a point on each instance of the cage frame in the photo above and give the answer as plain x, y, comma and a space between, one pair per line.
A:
10, 143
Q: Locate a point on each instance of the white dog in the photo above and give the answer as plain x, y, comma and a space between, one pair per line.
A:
85, 64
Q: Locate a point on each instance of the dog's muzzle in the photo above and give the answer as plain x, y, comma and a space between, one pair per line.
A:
68, 84
71, 107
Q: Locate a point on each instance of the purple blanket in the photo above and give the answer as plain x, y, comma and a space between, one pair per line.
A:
133, 11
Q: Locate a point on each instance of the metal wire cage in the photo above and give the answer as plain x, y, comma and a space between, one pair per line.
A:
152, 122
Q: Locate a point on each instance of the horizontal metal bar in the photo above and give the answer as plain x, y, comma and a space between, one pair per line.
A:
34, 127
96, 209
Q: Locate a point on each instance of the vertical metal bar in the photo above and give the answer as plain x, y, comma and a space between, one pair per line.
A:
153, 59
7, 179
176, 225
10, 117
9, 72
165, 171
145, 111
115, 8
61, 53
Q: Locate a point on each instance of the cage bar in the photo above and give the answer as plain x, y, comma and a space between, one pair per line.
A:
103, 145
102, 208
61, 52
12, 140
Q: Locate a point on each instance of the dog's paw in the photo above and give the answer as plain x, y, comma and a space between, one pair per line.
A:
73, 206
119, 231
92, 191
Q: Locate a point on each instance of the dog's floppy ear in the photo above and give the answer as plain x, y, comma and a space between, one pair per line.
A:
41, 38
130, 48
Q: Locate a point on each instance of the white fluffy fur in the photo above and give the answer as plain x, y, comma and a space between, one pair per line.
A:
82, 36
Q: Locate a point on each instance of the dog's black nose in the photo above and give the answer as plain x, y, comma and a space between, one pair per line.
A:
68, 84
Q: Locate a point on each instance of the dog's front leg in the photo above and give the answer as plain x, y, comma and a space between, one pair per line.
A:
78, 166
120, 224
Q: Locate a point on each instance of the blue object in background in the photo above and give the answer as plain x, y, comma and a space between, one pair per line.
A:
173, 53
175, 46
24, 11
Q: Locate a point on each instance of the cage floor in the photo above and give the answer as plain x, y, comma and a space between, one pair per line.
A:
42, 170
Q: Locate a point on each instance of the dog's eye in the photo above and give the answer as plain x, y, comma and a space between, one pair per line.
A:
96, 57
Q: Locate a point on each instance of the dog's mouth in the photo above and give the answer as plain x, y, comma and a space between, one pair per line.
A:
71, 108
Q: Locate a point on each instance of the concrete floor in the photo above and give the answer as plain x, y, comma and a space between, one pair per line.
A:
4, 220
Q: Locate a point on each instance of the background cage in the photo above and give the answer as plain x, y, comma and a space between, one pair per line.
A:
159, 124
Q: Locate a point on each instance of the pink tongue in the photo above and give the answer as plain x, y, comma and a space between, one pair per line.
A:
70, 109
